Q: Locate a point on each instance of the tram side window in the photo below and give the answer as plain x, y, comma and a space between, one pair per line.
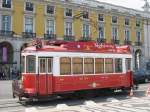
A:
77, 65
128, 63
118, 65
65, 66
30, 64
99, 65
109, 65
42, 62
49, 65
89, 65
22, 64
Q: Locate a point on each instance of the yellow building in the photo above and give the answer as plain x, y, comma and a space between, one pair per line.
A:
70, 20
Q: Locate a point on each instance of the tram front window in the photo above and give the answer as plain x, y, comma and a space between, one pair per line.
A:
30, 64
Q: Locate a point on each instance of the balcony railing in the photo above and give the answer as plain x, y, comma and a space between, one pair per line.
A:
6, 33
28, 35
138, 43
127, 42
85, 39
101, 40
69, 38
6, 5
50, 36
115, 41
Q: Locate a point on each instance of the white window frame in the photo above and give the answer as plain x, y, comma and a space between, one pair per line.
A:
127, 38
33, 23
40, 58
138, 20
103, 32
88, 15
2, 23
1, 6
83, 30
125, 21
51, 64
66, 27
137, 35
46, 25
114, 33
34, 7
103, 18
112, 19
46, 10
66, 11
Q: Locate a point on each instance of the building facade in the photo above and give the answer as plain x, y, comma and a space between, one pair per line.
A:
70, 20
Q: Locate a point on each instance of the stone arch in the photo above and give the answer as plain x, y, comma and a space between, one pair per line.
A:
6, 58
6, 52
138, 55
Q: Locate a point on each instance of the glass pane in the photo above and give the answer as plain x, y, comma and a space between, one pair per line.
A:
6, 23
42, 65
49, 65
65, 66
99, 65
128, 64
30, 64
118, 65
109, 65
77, 65
89, 65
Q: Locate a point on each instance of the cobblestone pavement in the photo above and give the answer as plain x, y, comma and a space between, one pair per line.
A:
132, 104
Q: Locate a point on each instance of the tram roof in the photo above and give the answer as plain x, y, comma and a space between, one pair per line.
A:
76, 46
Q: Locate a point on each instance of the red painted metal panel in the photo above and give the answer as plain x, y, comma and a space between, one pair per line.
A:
29, 83
72, 83
45, 84
42, 85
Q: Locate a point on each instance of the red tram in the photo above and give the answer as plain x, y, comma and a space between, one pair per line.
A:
55, 68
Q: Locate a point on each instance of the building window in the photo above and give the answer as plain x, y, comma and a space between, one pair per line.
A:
68, 28
114, 33
50, 9
29, 6
138, 36
68, 12
101, 31
85, 15
127, 21
88, 65
127, 34
114, 19
118, 65
50, 27
138, 22
86, 30
6, 23
29, 24
65, 66
6, 3
101, 17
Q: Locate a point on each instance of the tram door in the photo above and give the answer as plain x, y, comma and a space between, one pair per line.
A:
45, 76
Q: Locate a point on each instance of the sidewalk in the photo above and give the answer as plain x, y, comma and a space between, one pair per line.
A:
5, 89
